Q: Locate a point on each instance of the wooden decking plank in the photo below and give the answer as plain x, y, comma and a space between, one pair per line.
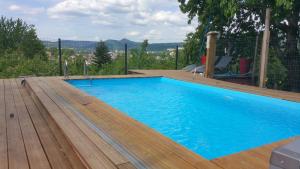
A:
107, 149
17, 157
55, 150
116, 158
250, 159
61, 144
242, 162
127, 165
162, 158
35, 153
3, 135
85, 148
60, 152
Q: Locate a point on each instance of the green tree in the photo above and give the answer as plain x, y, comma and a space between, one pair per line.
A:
143, 53
139, 56
102, 55
16, 35
235, 18
191, 47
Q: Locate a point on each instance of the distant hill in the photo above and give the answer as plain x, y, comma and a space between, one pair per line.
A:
111, 44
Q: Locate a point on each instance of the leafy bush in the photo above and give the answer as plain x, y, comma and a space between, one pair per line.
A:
16, 35
277, 73
14, 65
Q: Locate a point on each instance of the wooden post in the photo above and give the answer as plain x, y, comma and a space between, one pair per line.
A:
59, 57
265, 50
254, 60
176, 60
126, 64
211, 53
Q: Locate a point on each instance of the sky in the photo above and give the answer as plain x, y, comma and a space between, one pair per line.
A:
94, 20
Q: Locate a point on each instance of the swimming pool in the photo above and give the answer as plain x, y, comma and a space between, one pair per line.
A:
210, 121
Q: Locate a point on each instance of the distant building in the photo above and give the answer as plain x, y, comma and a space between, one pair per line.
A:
172, 51
90, 58
113, 55
50, 54
72, 57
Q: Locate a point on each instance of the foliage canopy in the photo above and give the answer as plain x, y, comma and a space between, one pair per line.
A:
16, 35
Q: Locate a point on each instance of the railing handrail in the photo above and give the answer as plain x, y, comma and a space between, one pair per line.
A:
66, 71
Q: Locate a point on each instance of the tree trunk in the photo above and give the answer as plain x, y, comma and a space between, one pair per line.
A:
292, 56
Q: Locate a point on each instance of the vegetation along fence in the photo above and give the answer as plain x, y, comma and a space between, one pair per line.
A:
23, 54
244, 53
102, 58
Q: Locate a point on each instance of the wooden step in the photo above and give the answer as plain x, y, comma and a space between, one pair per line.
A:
92, 150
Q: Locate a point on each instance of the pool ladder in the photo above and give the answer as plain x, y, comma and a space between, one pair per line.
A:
86, 72
85, 69
66, 70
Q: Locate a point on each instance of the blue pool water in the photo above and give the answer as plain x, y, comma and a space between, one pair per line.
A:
210, 121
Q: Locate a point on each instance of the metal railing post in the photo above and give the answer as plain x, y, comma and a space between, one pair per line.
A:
126, 64
176, 60
60, 58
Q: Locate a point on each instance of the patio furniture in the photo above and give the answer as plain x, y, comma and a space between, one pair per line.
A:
286, 157
189, 67
220, 64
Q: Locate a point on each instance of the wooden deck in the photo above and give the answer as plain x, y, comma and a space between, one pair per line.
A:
28, 136
47, 123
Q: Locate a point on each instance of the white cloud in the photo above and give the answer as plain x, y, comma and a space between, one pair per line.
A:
153, 35
14, 8
158, 21
101, 22
168, 17
138, 12
188, 28
133, 33
89, 7
26, 10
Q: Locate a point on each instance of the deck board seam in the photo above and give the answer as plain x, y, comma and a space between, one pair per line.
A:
63, 147
14, 121
22, 134
6, 140
6, 123
217, 164
33, 124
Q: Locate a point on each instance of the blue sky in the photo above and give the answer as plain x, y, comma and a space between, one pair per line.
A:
156, 20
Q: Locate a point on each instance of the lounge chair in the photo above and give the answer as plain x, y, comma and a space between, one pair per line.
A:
219, 64
189, 67
223, 63
232, 75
